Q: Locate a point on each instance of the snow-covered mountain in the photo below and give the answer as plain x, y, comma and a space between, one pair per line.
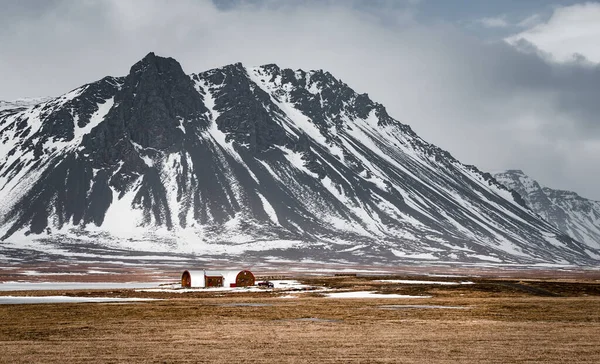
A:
572, 214
262, 161
22, 103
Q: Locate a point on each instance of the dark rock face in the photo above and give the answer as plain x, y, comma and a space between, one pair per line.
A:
244, 118
259, 155
37, 137
572, 214
59, 122
157, 96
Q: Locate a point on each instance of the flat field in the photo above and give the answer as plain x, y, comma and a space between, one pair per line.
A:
507, 320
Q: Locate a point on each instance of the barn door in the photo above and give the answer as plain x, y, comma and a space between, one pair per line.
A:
186, 280
214, 281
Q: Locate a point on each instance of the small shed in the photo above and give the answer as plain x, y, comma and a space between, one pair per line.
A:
217, 278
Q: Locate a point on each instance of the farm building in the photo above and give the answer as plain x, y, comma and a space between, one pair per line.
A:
216, 278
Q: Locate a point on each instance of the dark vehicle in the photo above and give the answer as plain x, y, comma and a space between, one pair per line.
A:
266, 284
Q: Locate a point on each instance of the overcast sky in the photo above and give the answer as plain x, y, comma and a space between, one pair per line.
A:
498, 83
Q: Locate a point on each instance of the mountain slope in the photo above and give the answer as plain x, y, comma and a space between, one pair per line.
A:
262, 160
570, 213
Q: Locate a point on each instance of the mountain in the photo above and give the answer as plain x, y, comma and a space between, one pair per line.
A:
22, 103
258, 162
572, 214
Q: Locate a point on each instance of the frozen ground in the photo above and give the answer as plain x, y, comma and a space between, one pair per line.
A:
368, 294
401, 307
303, 260
51, 286
19, 300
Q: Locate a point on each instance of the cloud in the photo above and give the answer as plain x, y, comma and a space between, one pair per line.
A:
487, 103
495, 22
503, 22
570, 33
530, 21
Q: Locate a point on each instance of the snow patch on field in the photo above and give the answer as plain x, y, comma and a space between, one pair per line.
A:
20, 300
93, 271
279, 285
369, 294
52, 286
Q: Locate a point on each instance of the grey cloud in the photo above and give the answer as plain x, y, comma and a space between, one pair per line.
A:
486, 103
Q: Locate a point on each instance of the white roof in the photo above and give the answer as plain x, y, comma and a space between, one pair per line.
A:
223, 273
195, 272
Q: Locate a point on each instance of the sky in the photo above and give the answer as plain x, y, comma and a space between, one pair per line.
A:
501, 84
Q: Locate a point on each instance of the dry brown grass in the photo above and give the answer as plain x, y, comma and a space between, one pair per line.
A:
500, 324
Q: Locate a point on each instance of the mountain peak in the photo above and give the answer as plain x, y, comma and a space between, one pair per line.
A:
156, 64
156, 95
569, 212
514, 171
149, 56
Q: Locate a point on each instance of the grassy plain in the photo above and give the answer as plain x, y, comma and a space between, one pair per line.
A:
491, 321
